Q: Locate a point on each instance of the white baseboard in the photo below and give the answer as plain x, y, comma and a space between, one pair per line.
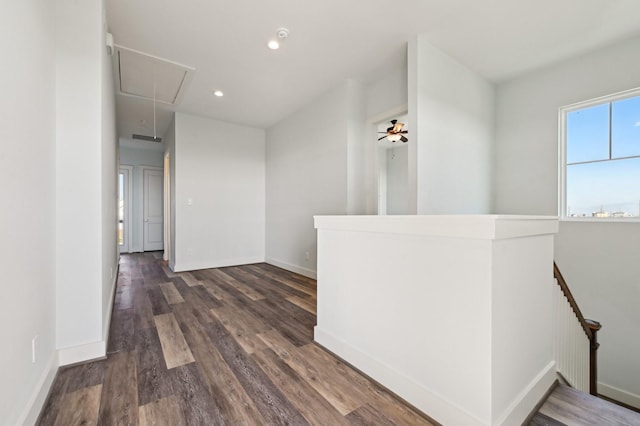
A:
619, 395
524, 403
428, 401
309, 273
41, 391
62, 357
194, 266
82, 353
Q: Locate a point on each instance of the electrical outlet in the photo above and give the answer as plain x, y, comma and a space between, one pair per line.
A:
34, 347
306, 256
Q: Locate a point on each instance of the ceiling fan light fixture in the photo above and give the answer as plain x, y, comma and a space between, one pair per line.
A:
394, 137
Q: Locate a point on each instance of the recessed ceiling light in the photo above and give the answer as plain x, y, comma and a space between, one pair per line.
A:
281, 35
218, 93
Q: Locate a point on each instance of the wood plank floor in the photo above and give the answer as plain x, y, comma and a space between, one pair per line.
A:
228, 346
566, 406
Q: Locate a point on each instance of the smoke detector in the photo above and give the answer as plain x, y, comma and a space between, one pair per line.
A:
283, 33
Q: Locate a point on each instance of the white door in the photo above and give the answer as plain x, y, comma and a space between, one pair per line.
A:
152, 210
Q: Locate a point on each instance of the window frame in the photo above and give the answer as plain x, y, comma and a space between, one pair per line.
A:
562, 154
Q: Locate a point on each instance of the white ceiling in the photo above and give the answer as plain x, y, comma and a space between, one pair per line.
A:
330, 40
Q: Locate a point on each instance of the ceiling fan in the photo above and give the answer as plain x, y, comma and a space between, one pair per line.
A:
395, 132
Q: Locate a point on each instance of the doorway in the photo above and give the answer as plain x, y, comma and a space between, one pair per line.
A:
393, 170
152, 211
124, 209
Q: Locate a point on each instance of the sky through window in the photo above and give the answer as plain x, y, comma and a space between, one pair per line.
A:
603, 160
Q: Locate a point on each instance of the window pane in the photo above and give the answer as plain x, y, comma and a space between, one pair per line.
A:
588, 134
604, 189
625, 130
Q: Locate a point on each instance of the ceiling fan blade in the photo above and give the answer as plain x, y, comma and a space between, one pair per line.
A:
403, 139
382, 137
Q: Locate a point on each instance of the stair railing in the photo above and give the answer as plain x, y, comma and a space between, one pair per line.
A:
576, 339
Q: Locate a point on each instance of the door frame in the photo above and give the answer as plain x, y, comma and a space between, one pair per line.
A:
167, 208
372, 124
128, 208
142, 198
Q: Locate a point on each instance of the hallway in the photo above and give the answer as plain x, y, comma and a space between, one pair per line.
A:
218, 346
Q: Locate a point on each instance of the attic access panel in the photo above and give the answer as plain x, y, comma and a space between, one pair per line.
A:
141, 75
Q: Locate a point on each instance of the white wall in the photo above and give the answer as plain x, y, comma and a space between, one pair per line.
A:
109, 166
85, 182
27, 170
61, 186
220, 170
78, 177
599, 261
397, 178
306, 175
359, 149
451, 111
382, 181
323, 159
387, 93
137, 158
140, 156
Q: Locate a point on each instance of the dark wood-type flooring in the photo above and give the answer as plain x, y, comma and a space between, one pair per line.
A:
227, 346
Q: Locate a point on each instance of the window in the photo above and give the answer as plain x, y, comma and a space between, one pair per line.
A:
600, 161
